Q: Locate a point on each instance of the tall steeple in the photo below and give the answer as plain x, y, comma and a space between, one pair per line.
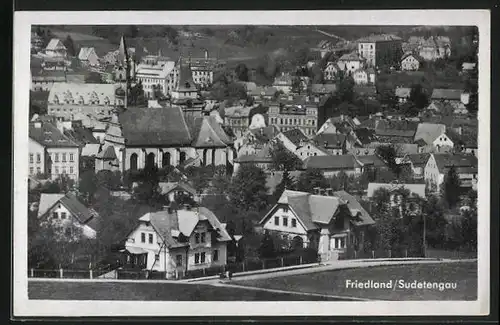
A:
122, 57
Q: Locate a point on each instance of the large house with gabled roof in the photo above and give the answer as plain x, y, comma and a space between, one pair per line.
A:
177, 241
329, 223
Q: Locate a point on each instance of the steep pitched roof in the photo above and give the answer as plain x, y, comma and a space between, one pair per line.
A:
415, 56
85, 52
185, 82
155, 126
48, 135
90, 149
402, 92
449, 94
80, 135
167, 187
296, 136
209, 133
265, 134
83, 91
428, 132
371, 160
337, 162
356, 209
107, 153
447, 160
55, 44
353, 56
419, 159
330, 141
74, 206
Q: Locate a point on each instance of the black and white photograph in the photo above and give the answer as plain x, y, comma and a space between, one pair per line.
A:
208, 161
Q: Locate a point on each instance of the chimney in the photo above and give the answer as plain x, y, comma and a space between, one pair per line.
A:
206, 54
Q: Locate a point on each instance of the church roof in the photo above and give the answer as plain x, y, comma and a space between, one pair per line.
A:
186, 82
209, 133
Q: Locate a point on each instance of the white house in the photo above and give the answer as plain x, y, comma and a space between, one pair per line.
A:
56, 48
330, 224
283, 83
88, 56
351, 62
330, 71
439, 164
161, 75
431, 137
178, 241
402, 94
292, 139
309, 149
69, 215
364, 76
410, 62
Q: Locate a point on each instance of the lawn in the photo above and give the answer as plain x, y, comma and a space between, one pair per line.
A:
153, 291
334, 282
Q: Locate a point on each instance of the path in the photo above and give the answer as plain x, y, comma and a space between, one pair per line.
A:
330, 35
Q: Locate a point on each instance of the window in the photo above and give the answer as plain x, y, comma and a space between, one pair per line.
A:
178, 260
203, 237
294, 223
150, 238
202, 257
216, 255
55, 215
64, 170
56, 157
143, 237
71, 170
56, 170
197, 258
63, 215
64, 157
68, 231
285, 221
277, 221
31, 158
31, 170
38, 158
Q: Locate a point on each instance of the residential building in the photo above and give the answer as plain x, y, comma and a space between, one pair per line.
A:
283, 82
292, 139
57, 63
415, 193
178, 241
432, 137
260, 94
402, 94
417, 163
457, 98
411, 62
379, 50
42, 80
70, 217
319, 90
52, 153
67, 99
330, 71
175, 190
260, 156
237, 118
435, 48
252, 140
439, 164
351, 62
390, 131
364, 76
56, 48
157, 75
88, 56
330, 224
203, 69
333, 165
335, 144
310, 149
289, 117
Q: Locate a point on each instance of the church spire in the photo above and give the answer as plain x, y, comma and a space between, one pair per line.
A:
122, 57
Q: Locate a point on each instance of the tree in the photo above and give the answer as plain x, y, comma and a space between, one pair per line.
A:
286, 183
283, 159
451, 187
87, 185
148, 190
388, 154
310, 179
241, 71
70, 46
93, 78
267, 248
469, 229
248, 190
418, 96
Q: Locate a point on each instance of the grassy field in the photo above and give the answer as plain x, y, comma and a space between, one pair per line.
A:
153, 291
334, 282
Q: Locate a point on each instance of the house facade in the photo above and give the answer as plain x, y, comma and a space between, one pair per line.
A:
330, 71
330, 224
56, 48
283, 83
410, 62
364, 76
380, 49
178, 241
334, 165
439, 164
88, 57
52, 153
71, 217
68, 99
157, 74
290, 117
351, 62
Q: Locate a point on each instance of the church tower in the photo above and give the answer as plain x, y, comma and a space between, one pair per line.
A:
122, 69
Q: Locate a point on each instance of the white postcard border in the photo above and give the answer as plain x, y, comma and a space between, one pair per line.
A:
22, 26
